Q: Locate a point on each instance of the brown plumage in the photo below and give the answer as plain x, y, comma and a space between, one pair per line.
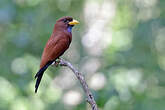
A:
57, 44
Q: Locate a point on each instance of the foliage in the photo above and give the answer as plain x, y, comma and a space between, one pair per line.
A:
119, 46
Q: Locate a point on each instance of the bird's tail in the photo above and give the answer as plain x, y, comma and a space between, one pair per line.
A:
40, 74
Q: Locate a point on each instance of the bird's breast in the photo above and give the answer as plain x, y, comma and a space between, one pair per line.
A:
69, 29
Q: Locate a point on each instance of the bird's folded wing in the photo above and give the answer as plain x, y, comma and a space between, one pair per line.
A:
53, 50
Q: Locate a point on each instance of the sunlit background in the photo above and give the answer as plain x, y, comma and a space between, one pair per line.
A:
119, 46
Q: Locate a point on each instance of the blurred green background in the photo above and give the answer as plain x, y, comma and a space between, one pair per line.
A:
119, 46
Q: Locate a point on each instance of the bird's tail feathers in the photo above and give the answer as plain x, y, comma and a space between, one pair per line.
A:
40, 74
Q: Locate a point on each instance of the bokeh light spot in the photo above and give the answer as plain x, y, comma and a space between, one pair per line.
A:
97, 81
7, 91
55, 92
72, 98
19, 66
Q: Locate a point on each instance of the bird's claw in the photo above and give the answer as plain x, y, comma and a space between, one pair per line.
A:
57, 62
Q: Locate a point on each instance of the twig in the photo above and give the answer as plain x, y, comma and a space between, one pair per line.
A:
80, 77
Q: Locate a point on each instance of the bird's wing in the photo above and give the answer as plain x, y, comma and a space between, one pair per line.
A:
54, 49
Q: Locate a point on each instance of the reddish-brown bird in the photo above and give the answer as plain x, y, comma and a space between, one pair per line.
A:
57, 44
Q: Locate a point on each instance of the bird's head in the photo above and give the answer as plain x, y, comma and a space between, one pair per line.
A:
66, 22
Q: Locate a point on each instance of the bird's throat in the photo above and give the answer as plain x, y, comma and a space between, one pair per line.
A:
70, 29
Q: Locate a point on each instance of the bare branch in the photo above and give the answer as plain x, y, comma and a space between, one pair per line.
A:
80, 77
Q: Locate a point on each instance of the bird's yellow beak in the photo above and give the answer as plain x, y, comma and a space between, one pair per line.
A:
74, 22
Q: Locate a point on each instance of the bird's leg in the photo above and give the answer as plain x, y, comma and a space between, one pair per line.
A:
56, 62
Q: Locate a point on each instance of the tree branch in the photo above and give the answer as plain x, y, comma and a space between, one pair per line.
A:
80, 77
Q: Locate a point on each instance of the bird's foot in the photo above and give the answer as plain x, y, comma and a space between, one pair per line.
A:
56, 62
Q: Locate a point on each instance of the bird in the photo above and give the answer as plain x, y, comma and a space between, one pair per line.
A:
56, 45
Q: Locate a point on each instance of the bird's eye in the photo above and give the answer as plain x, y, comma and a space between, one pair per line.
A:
65, 20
